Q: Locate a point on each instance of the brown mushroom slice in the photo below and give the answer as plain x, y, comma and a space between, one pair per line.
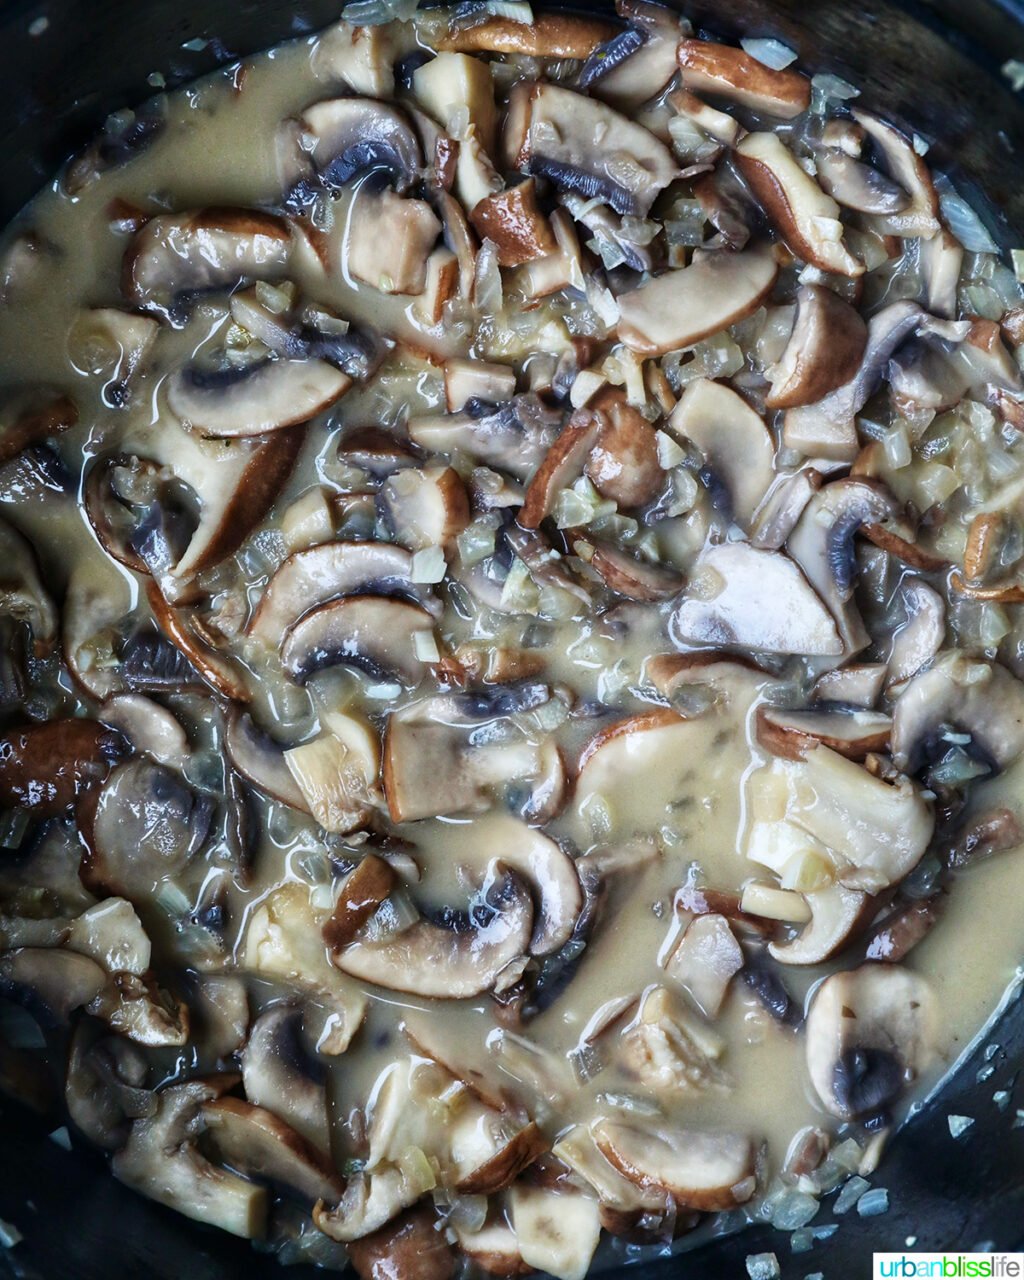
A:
427, 508
824, 351
782, 508
260, 760
822, 545
623, 464
343, 137
149, 727
733, 439
557, 1229
736, 596
493, 1248
705, 1171
388, 240
513, 220
481, 1133
361, 58
838, 915
584, 146
33, 417
254, 399
671, 672
312, 577
734, 74
221, 671
858, 685
628, 748
549, 35
104, 1087
175, 257
111, 933
260, 1145
135, 1007
361, 893
705, 961
919, 639
638, 63
514, 437
446, 962
280, 1075
941, 260
899, 932
49, 982
869, 1033
628, 575
410, 1246
920, 217
562, 465
45, 768
793, 733
478, 381
719, 125
856, 185
806, 218
374, 634
972, 695
679, 308
22, 594
161, 1160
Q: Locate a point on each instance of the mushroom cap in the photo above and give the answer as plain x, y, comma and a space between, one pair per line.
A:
350, 135
437, 960
375, 634
563, 463
623, 465
44, 768
824, 351
707, 1171
869, 1032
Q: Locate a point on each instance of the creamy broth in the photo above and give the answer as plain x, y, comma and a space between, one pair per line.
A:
673, 808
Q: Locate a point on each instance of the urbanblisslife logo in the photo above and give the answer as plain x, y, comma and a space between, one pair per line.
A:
948, 1266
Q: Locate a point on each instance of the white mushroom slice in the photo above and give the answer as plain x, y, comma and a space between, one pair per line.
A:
706, 1171
279, 1074
735, 598
362, 58
514, 437
838, 914
679, 308
252, 400
389, 239
260, 760
628, 575
783, 507
375, 634
177, 256
858, 685
824, 351
920, 216
582, 145
719, 125
856, 185
338, 782
668, 1049
578, 1151
549, 35
478, 381
425, 508
670, 672
161, 1160
447, 962
793, 733
941, 260
563, 269
453, 85
705, 961
149, 727
733, 439
493, 1248
731, 73
623, 753
919, 639
877, 829
312, 577
346, 136
822, 545
962, 693
806, 218
869, 1033
557, 1230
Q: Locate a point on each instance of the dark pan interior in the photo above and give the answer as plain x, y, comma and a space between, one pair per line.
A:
932, 65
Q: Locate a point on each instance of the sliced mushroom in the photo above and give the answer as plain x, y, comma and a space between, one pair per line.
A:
137, 1008
494, 1248
478, 381
707, 1171
941, 259
705, 961
557, 1230
343, 137
457, 960
582, 145
857, 685
254, 399
562, 465
280, 1076
362, 58
896, 935
513, 437
260, 760
412, 1245
33, 417
870, 1032
221, 671
856, 185
104, 1088
45, 768
920, 216
549, 35
733, 439
734, 599
374, 634
721, 126
50, 983
149, 727
337, 774
260, 1145
161, 1160
959, 692
623, 464
22, 594
919, 639
361, 893
804, 215
679, 308
513, 220
793, 733
427, 508
783, 507
388, 241
824, 351
308, 579
838, 915
635, 65
627, 574
176, 257
731, 73
627, 748
822, 545
670, 672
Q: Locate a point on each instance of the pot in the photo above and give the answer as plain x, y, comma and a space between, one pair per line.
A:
932, 66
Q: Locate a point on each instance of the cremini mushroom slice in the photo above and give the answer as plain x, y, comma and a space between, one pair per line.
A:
254, 399
563, 464
736, 445
838, 915
699, 1170
623, 464
33, 417
582, 145
182, 627
824, 351
49, 982
627, 748
343, 137
427, 508
23, 597
719, 125
870, 1031
917, 641
513, 437
494, 1247
782, 508
45, 768
919, 218
361, 58
726, 72
389, 240
671, 672
161, 1159
279, 1074
361, 893
453, 961
705, 960
734, 599
635, 65
513, 221
175, 258
962, 693
549, 35
941, 260
793, 733
858, 685
337, 775
806, 218
260, 760
105, 1085
260, 1145
679, 308
374, 634
628, 575
150, 728
557, 1230
856, 185
896, 934
479, 381
411, 1245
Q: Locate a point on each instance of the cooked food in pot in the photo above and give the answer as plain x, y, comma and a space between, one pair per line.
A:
512, 670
